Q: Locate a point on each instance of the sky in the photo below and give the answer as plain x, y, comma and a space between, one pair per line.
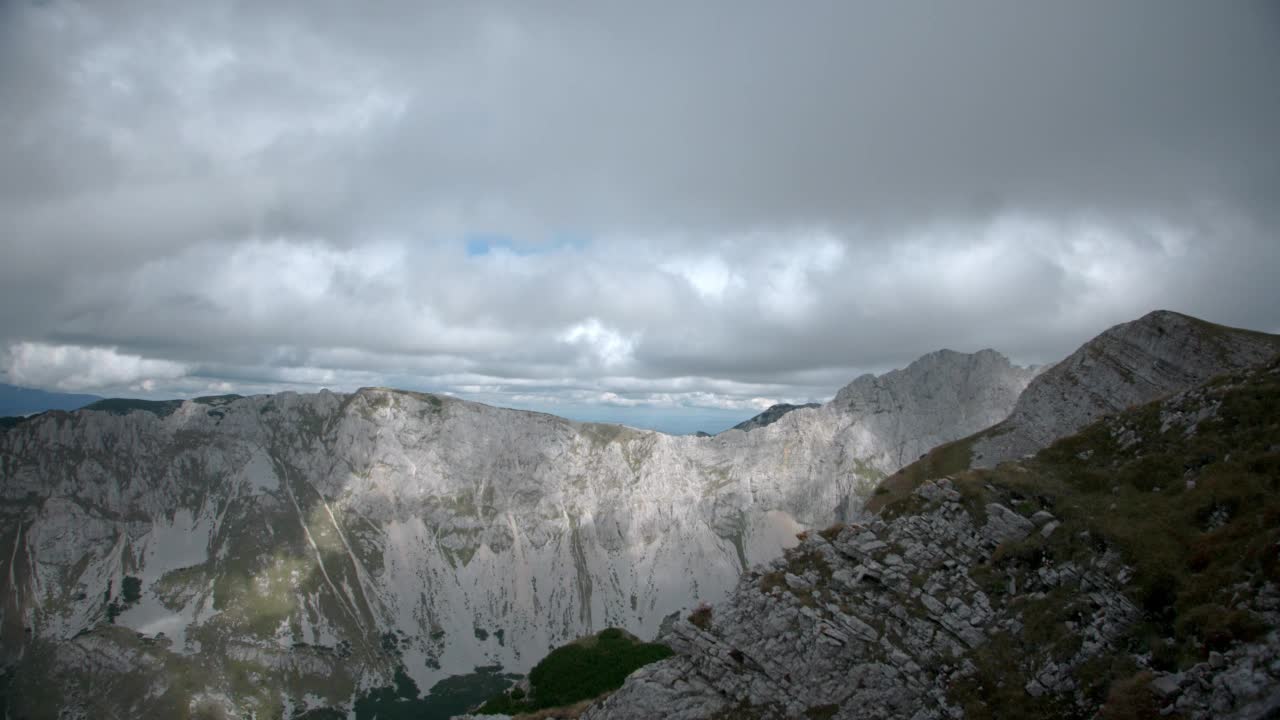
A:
670, 215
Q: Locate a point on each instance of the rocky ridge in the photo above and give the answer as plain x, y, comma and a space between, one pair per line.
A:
1136, 362
1128, 570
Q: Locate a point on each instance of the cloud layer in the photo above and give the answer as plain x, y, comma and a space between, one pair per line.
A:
662, 208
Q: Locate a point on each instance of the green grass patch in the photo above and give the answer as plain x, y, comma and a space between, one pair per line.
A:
946, 459
581, 670
124, 406
1194, 512
217, 399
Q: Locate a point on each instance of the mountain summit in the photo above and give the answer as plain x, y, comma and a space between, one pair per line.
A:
1156, 355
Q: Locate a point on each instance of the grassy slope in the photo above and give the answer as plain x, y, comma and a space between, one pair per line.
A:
1196, 515
946, 459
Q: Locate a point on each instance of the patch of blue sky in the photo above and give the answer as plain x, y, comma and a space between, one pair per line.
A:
681, 421
482, 244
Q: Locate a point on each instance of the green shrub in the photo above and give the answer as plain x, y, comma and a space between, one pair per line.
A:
124, 406
584, 669
831, 533
131, 588
701, 616
769, 582
1131, 699
1215, 627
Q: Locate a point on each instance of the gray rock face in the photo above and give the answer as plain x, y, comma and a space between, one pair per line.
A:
1241, 684
1157, 355
880, 629
1004, 525
886, 618
402, 528
936, 392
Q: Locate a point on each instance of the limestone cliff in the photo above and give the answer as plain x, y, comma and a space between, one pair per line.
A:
292, 551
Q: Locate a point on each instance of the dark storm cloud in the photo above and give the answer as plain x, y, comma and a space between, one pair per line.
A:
725, 204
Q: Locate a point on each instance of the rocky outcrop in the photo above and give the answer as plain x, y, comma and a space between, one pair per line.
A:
870, 621
888, 619
1241, 683
1152, 357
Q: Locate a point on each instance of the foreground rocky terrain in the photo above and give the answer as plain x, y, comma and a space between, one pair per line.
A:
287, 553
1128, 571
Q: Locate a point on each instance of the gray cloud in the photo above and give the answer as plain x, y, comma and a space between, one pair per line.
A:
716, 206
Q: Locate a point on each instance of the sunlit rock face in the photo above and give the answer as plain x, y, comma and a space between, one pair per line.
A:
293, 537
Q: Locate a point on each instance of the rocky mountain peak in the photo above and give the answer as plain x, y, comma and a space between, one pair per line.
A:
964, 373
1161, 353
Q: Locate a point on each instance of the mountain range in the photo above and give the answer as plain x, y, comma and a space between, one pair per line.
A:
289, 555
19, 401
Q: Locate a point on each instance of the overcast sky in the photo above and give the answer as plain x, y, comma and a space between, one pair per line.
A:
668, 214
